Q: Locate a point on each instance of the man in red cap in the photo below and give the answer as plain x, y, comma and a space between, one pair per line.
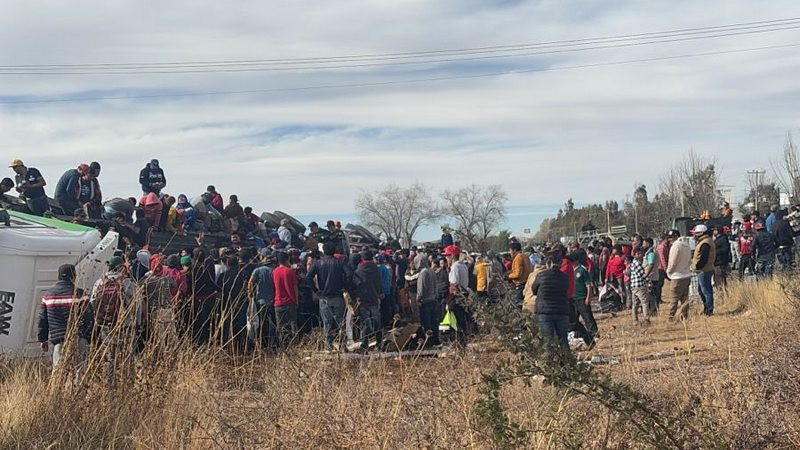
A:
459, 283
764, 248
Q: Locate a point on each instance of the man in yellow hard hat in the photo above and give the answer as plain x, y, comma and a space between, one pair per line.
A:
30, 184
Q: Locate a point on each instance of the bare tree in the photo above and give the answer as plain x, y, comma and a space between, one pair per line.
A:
691, 186
479, 211
787, 169
396, 211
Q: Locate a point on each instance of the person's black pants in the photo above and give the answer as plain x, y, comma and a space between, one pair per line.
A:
590, 325
745, 262
576, 326
658, 286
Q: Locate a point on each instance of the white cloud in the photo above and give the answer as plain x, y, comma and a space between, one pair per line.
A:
587, 134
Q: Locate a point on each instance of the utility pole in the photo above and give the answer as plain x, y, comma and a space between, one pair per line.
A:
756, 177
683, 205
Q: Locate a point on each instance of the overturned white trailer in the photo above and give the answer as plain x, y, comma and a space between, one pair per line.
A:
31, 250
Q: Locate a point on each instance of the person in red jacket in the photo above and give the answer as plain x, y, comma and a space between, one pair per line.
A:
569, 270
616, 268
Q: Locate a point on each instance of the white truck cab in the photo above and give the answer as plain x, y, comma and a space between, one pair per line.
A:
31, 250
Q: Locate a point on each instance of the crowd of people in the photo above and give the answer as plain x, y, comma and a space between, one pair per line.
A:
267, 286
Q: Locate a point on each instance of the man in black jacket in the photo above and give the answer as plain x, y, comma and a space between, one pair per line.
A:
152, 178
784, 239
369, 291
722, 262
552, 307
764, 251
331, 275
59, 304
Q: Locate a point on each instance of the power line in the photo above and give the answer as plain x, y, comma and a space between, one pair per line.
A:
394, 63
380, 59
392, 82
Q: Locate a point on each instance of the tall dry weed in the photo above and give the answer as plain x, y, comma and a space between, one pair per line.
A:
740, 394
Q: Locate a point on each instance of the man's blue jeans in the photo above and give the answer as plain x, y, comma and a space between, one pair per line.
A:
370, 317
430, 316
706, 291
332, 311
39, 206
554, 329
786, 257
286, 324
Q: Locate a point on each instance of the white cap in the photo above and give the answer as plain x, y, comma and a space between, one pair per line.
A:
700, 228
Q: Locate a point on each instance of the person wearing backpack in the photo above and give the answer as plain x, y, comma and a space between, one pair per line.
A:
114, 318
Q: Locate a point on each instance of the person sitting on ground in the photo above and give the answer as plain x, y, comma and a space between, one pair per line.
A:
30, 184
152, 178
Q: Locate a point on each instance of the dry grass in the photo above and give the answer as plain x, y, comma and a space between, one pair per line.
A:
734, 378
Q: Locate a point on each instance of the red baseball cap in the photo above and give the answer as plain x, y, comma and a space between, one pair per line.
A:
451, 250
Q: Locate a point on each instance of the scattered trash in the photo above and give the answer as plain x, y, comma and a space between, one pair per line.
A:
598, 360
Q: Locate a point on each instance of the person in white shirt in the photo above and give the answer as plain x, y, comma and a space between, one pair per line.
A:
679, 272
459, 282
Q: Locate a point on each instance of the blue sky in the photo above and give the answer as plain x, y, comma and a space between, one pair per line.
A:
588, 134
